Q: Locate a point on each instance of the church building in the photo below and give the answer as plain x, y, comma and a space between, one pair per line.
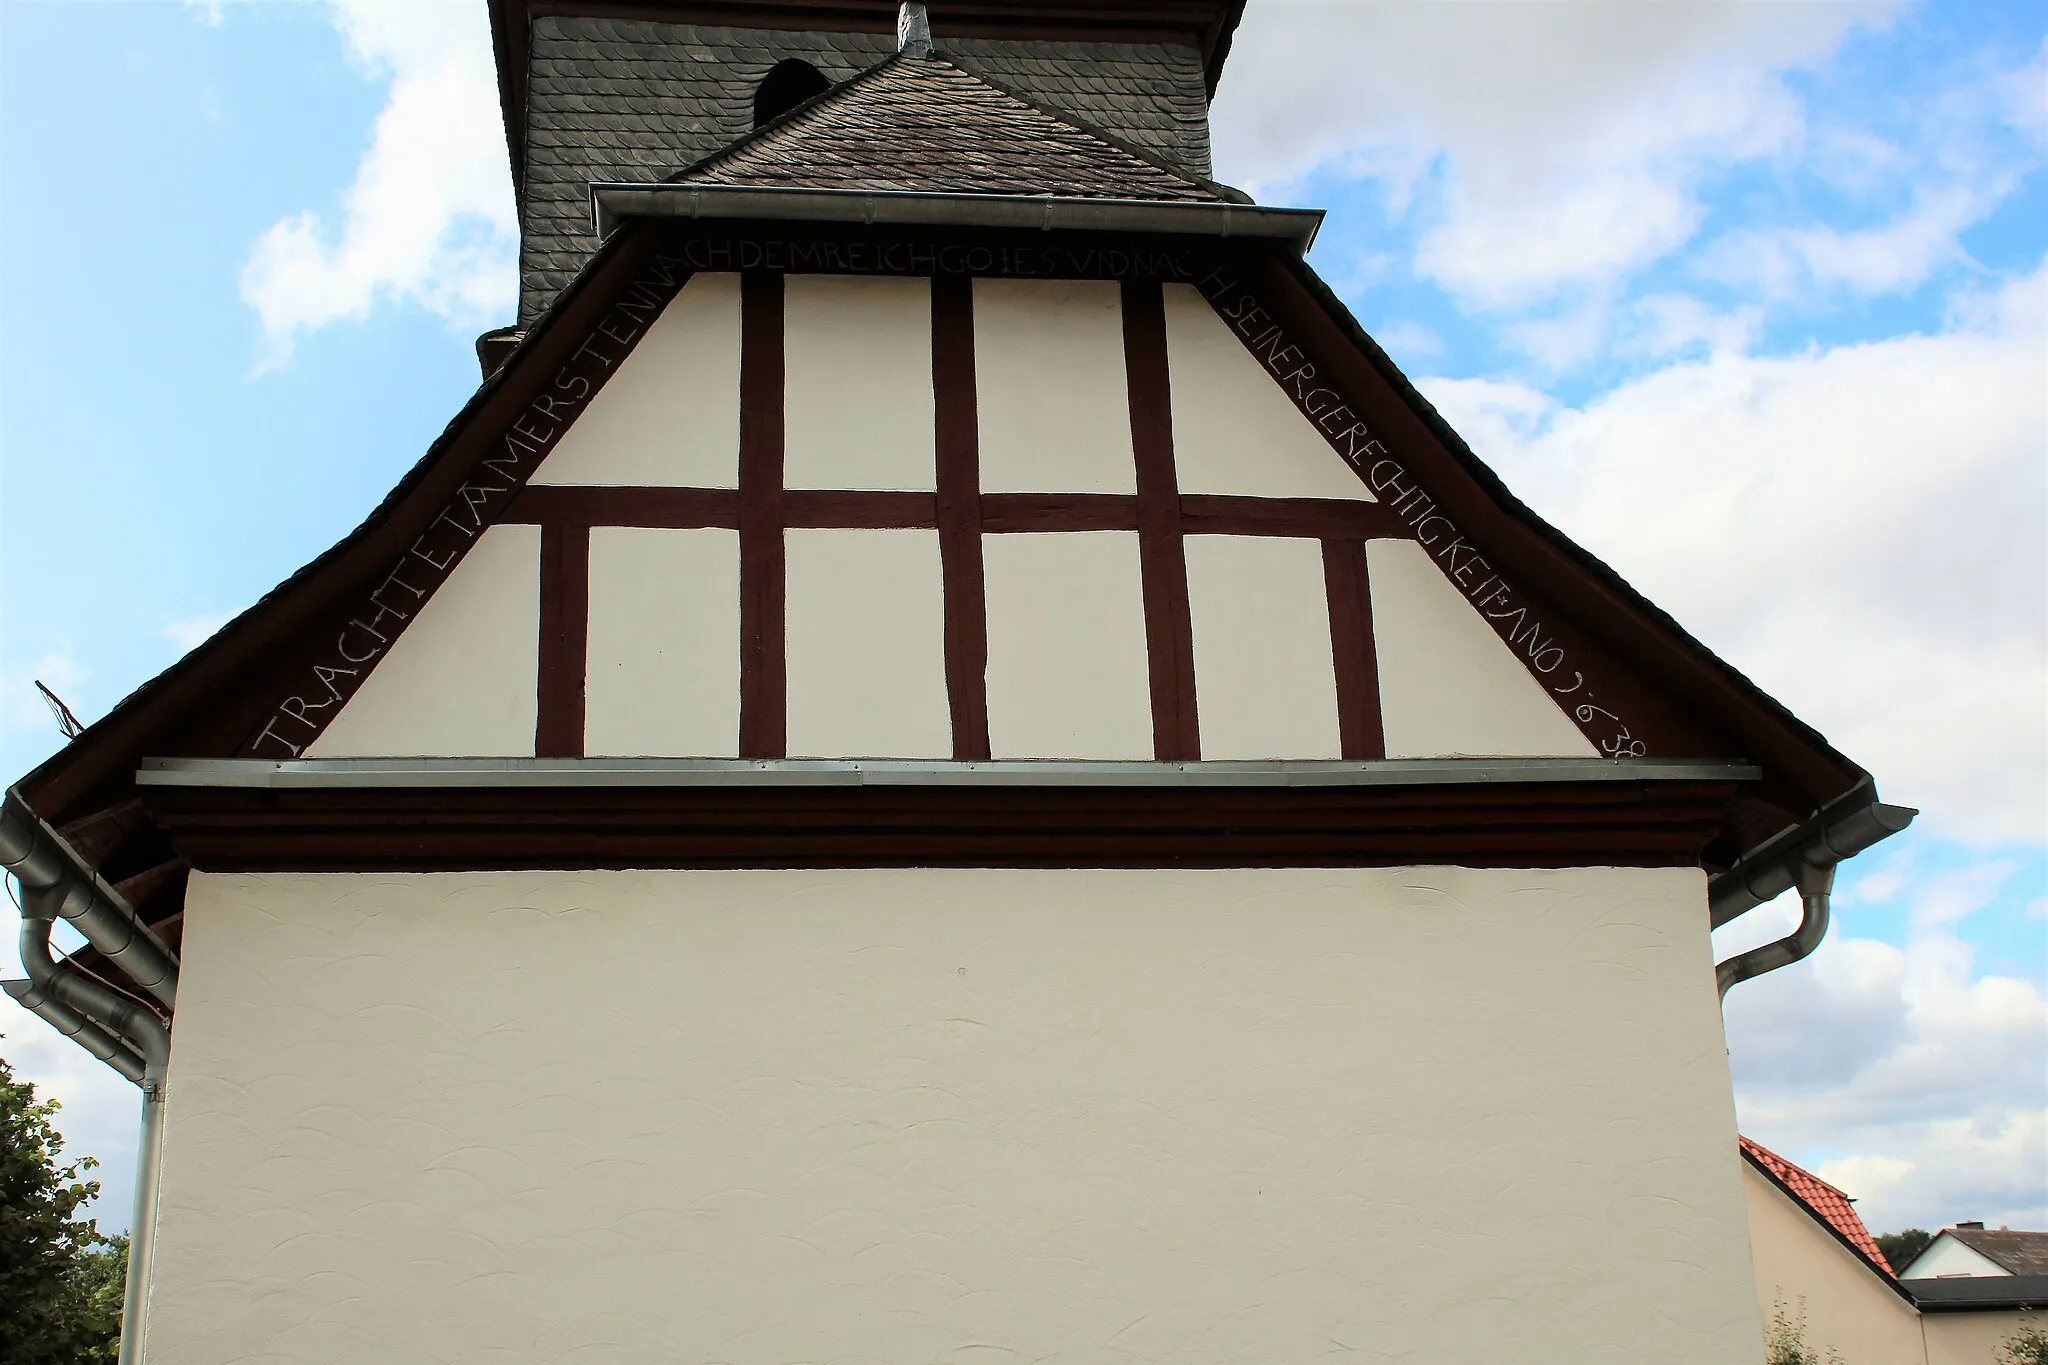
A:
946, 762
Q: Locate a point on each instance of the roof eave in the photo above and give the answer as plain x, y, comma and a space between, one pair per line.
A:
613, 202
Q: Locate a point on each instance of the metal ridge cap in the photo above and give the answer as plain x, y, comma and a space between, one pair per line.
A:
611, 200
481, 773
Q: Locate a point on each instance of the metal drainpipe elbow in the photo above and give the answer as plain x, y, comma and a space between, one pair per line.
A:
1815, 880
44, 865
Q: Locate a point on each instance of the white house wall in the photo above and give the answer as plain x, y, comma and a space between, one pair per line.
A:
866, 646
1449, 687
461, 682
1264, 679
670, 417
857, 361
1423, 1114
1050, 390
1234, 431
663, 677
1067, 671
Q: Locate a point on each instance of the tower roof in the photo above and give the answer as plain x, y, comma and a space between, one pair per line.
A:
925, 124
1203, 25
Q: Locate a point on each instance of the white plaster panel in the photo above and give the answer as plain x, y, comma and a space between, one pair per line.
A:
857, 352
1404, 1114
866, 633
670, 416
462, 681
1052, 403
1800, 1267
663, 679
1067, 670
1449, 686
1234, 431
1264, 683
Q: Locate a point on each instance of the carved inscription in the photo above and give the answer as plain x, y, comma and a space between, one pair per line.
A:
1504, 607
855, 257
513, 455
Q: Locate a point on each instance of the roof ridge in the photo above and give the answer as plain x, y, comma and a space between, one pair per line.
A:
760, 132
1230, 192
984, 103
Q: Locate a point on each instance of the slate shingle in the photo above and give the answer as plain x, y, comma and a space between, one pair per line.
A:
925, 124
617, 99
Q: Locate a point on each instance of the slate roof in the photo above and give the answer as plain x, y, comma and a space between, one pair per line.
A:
1827, 1204
2018, 1253
925, 123
618, 99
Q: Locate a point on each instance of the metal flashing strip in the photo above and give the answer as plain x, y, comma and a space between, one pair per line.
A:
369, 773
611, 201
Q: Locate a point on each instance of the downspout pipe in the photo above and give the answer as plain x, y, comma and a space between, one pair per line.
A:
92, 1037
45, 865
147, 1036
1802, 859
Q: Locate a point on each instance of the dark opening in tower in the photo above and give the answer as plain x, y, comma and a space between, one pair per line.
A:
790, 83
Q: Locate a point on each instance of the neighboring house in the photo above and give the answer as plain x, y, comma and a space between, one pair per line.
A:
946, 761
1971, 1249
1817, 1261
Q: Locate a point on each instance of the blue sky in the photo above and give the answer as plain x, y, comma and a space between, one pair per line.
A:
1748, 298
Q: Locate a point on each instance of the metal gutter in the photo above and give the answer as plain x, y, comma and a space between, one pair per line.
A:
43, 862
1802, 858
148, 1037
611, 201
330, 773
126, 1033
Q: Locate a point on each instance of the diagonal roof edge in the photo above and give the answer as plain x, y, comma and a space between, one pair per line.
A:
850, 88
1733, 689
1767, 1163
184, 687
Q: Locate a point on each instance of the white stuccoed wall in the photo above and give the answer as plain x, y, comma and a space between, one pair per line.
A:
1420, 1114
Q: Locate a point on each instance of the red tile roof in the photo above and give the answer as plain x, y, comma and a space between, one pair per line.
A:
1823, 1200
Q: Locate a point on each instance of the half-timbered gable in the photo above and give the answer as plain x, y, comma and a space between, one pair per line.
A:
1272, 559
945, 759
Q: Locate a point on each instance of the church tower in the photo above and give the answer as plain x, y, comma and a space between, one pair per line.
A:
945, 762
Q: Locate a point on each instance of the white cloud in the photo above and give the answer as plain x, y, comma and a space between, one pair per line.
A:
1926, 1079
429, 218
1570, 141
1862, 529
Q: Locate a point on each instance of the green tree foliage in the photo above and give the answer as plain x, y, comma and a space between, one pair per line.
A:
61, 1279
2027, 1346
1900, 1248
1785, 1339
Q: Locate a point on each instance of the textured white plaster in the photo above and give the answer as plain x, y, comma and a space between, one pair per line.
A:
1413, 1114
664, 644
461, 681
670, 416
1067, 670
1234, 431
857, 354
1449, 686
1264, 683
1801, 1267
867, 645
1052, 403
